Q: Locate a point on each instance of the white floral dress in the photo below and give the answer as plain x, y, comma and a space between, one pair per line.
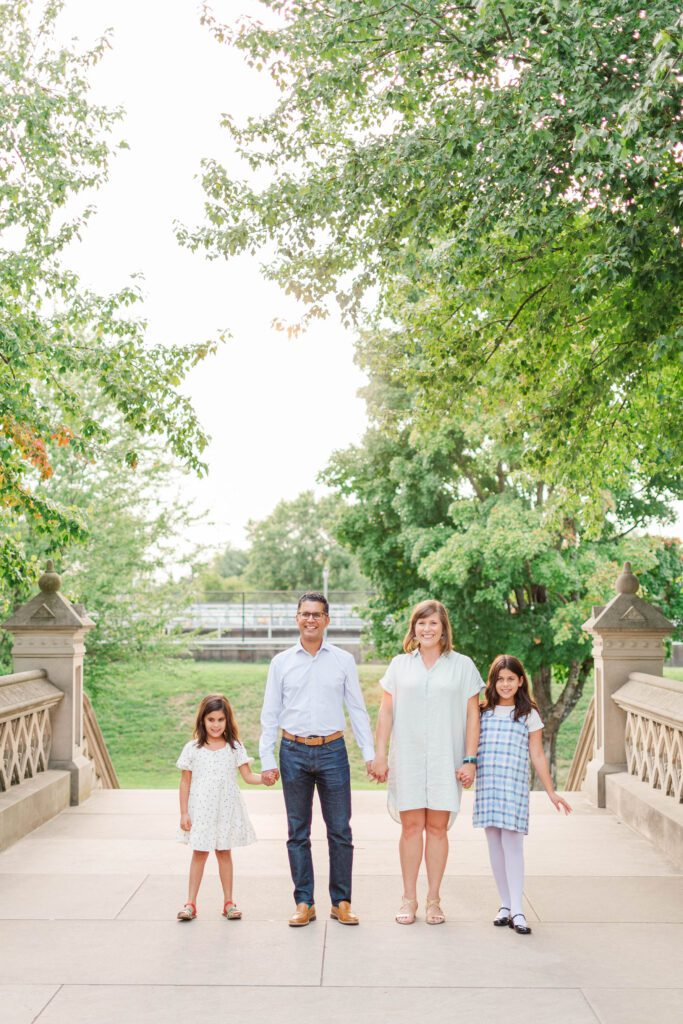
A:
217, 811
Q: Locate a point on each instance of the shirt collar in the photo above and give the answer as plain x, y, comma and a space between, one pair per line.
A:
298, 646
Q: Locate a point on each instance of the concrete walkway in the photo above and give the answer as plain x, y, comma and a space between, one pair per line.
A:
88, 932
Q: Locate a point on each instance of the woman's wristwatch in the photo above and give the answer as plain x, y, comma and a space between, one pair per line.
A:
469, 760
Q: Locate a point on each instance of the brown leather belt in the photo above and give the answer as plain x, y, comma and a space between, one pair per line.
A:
313, 741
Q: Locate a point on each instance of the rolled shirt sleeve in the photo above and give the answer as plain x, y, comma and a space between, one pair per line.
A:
358, 714
270, 717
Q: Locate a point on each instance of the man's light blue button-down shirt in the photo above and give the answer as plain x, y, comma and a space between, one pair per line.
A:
305, 694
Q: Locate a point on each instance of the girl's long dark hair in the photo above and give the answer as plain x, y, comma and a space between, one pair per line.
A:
216, 702
524, 702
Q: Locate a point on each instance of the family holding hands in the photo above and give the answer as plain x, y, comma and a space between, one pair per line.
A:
442, 738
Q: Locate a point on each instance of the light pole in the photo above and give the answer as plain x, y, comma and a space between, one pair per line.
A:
326, 577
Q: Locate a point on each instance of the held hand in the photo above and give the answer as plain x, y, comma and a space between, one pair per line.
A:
465, 774
270, 776
379, 769
560, 803
185, 822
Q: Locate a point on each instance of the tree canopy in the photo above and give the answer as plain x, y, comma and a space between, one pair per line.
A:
291, 547
458, 517
132, 569
57, 336
495, 190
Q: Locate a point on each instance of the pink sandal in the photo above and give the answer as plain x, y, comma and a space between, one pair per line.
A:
231, 912
188, 913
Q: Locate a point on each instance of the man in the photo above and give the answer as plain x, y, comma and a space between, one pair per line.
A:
308, 686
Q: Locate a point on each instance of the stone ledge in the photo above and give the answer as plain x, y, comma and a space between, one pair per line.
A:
23, 808
657, 817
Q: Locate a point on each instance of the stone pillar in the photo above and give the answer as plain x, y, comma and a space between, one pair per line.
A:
628, 636
49, 634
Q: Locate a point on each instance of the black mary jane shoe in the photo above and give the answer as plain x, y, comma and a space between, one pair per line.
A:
521, 929
500, 922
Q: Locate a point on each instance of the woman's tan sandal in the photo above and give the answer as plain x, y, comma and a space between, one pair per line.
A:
188, 913
435, 914
231, 912
406, 914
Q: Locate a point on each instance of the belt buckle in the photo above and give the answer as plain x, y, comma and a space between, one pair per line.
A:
315, 741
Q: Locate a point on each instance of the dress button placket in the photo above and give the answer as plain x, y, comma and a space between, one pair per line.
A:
426, 722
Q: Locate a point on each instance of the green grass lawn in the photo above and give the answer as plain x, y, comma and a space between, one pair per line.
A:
147, 715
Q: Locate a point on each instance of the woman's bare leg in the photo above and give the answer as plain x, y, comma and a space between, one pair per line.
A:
410, 848
436, 850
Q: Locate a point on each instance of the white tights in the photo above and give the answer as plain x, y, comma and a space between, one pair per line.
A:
506, 850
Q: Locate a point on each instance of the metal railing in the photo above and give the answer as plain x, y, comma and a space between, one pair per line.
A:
242, 618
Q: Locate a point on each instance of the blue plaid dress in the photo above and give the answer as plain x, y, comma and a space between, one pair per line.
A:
501, 797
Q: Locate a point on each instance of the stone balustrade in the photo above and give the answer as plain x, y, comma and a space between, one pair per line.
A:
636, 767
654, 731
26, 699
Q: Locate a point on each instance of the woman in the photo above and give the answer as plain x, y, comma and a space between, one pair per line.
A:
430, 708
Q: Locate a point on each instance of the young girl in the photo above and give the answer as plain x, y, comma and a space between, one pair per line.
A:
510, 733
212, 812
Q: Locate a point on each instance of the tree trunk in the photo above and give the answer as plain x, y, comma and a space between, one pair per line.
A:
554, 713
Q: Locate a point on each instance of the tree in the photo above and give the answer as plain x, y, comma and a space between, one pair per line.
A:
57, 337
132, 569
456, 517
291, 547
233, 561
224, 573
506, 178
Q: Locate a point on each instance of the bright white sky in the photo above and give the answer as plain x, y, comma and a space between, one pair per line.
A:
275, 408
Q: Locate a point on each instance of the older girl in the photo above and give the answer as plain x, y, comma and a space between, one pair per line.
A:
511, 730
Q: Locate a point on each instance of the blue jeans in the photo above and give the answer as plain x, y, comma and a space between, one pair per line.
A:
327, 768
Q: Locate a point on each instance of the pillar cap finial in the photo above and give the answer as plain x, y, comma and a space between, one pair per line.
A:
627, 581
50, 582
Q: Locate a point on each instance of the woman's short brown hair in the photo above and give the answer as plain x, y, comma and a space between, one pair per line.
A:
421, 611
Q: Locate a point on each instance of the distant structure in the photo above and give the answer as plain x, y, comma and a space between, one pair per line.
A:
254, 627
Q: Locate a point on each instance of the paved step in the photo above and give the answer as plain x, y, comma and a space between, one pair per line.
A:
88, 930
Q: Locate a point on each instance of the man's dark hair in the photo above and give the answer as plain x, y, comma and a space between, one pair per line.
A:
313, 595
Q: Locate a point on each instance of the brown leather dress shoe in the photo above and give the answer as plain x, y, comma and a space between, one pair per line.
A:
342, 913
302, 915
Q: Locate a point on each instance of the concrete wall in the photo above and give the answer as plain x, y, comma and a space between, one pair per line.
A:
31, 804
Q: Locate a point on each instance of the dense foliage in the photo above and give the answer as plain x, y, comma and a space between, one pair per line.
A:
291, 548
456, 516
506, 180
132, 570
56, 336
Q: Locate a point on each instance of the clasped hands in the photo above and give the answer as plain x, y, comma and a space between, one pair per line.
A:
270, 776
378, 769
465, 774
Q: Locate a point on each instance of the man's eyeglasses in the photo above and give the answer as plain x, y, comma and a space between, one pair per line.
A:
316, 616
